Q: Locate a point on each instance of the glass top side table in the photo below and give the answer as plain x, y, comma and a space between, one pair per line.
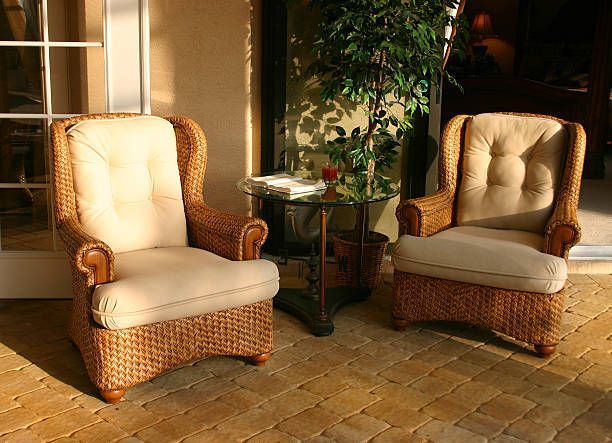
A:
351, 190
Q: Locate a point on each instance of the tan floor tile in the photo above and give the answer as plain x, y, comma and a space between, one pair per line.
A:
214, 387
533, 432
273, 436
178, 401
449, 408
144, 393
349, 339
7, 403
595, 422
325, 386
349, 401
408, 396
45, 402
477, 392
438, 431
574, 434
370, 364
505, 383
556, 418
407, 371
482, 424
291, 403
583, 391
458, 371
267, 385
16, 418
301, 372
313, 345
397, 414
559, 400
170, 430
101, 432
548, 379
357, 378
242, 399
397, 435
212, 413
128, 416
569, 391
598, 376
209, 436
225, 367
64, 424
514, 368
21, 436
599, 356
309, 423
13, 362
433, 386
356, 428
14, 383
182, 377
248, 423
507, 407
432, 358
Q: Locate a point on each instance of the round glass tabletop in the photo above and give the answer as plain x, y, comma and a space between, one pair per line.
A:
351, 189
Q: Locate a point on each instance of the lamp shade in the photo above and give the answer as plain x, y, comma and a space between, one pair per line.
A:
482, 25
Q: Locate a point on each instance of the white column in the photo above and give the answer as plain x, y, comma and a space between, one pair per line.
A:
126, 45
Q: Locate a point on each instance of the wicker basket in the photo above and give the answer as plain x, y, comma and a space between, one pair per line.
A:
347, 252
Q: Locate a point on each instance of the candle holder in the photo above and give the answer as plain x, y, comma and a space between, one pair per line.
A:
330, 173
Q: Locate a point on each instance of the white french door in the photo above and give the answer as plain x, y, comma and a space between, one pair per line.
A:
58, 58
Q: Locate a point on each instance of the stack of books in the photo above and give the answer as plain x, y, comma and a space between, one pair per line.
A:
287, 184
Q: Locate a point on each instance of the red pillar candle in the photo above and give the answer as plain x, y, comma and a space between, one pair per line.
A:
329, 172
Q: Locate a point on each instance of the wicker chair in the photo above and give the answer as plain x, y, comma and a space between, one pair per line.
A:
117, 355
466, 231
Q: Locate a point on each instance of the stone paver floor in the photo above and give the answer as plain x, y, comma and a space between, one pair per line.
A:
435, 382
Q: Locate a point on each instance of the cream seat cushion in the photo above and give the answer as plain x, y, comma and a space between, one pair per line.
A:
505, 259
159, 284
127, 184
510, 171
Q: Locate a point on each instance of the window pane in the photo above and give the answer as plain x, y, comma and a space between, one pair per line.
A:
20, 80
19, 20
25, 223
77, 80
75, 20
23, 155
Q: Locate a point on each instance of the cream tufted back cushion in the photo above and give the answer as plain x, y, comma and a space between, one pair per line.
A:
127, 184
511, 168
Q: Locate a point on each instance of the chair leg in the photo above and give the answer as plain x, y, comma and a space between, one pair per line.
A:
112, 397
545, 350
400, 324
259, 360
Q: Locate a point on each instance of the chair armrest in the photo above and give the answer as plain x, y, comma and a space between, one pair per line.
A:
425, 216
562, 230
89, 255
234, 237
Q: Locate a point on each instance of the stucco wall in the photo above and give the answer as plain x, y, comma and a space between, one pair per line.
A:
202, 67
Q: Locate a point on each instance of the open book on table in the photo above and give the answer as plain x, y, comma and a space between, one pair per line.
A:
287, 184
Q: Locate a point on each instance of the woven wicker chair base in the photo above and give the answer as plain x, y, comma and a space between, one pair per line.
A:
118, 359
527, 316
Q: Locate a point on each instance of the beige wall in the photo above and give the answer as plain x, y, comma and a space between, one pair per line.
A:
202, 63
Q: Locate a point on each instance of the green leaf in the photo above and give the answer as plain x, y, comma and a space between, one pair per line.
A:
340, 130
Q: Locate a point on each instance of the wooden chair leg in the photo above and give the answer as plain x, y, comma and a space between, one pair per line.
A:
400, 324
259, 360
112, 397
545, 350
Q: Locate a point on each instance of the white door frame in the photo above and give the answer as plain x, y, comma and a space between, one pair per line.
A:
46, 274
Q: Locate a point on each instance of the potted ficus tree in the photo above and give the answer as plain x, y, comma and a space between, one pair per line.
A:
381, 56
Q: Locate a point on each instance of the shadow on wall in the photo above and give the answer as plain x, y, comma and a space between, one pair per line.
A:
201, 68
